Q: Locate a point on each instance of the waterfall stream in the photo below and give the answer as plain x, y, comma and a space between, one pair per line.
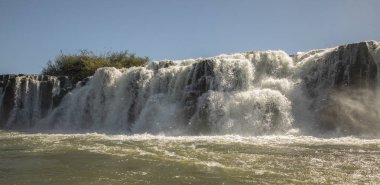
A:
251, 93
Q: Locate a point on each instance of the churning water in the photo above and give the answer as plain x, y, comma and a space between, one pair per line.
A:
153, 159
248, 118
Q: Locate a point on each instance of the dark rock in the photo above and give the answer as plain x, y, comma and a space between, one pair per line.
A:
198, 82
19, 100
8, 101
65, 86
344, 76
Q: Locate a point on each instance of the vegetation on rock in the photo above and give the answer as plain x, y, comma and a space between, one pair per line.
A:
84, 64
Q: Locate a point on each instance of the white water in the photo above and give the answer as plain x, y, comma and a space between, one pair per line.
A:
253, 107
246, 93
156, 159
252, 93
28, 108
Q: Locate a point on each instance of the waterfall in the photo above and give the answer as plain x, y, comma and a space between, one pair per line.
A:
246, 93
26, 99
251, 93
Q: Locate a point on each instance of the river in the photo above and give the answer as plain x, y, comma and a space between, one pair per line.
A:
34, 158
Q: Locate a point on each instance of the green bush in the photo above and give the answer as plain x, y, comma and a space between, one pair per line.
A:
84, 64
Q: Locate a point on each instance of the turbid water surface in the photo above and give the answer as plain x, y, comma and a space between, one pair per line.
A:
148, 159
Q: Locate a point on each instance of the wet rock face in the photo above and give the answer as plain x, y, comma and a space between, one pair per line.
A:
25, 99
343, 89
64, 87
200, 77
7, 100
350, 66
199, 82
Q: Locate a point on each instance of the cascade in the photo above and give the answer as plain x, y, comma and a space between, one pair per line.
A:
251, 93
26, 99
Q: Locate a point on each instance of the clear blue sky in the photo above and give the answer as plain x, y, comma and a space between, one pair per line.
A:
35, 31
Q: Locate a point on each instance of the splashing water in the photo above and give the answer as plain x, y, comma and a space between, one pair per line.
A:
252, 93
153, 159
230, 119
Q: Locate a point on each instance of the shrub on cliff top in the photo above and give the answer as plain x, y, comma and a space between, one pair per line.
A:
84, 64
